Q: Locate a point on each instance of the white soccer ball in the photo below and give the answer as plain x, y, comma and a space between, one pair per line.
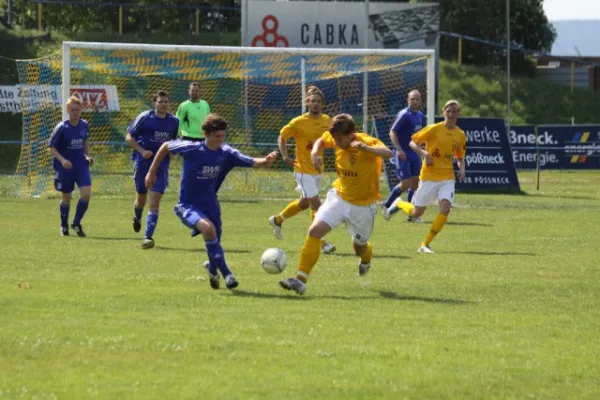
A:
273, 260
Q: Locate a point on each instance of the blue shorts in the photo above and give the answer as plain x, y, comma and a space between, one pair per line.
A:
190, 214
139, 178
410, 167
65, 179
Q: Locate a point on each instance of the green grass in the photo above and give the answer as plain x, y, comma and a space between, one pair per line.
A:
506, 308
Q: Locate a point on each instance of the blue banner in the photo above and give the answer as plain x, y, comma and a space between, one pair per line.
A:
489, 162
560, 146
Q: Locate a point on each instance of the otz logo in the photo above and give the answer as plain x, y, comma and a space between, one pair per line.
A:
270, 37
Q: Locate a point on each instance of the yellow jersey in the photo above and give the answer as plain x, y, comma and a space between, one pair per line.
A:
358, 171
442, 144
305, 130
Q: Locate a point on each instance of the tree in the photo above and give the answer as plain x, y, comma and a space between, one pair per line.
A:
529, 28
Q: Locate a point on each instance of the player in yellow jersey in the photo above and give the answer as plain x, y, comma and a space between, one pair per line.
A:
358, 160
443, 141
305, 130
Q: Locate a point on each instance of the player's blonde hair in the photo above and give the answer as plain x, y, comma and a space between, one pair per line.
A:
342, 124
451, 103
75, 100
312, 90
214, 123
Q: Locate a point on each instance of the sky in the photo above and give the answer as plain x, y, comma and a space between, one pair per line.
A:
575, 21
557, 10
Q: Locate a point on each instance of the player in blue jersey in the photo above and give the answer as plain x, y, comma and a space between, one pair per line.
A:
145, 135
205, 165
70, 148
408, 163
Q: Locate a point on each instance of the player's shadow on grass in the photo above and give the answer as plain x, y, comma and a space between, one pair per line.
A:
397, 296
491, 253
110, 238
464, 223
292, 296
198, 249
377, 255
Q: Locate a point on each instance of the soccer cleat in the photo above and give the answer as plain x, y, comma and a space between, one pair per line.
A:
64, 231
294, 284
276, 228
148, 243
213, 279
363, 269
78, 229
137, 224
386, 213
425, 249
328, 248
418, 220
231, 282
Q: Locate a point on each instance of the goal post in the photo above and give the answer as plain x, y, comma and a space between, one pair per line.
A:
258, 90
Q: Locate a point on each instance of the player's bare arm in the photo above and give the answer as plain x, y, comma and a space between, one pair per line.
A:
282, 143
461, 169
315, 154
266, 161
422, 153
394, 139
65, 163
86, 151
136, 146
160, 156
381, 151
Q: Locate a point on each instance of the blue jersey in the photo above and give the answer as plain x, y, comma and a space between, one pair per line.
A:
407, 122
204, 169
68, 141
150, 132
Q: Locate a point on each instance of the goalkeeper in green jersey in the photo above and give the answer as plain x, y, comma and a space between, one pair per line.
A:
191, 114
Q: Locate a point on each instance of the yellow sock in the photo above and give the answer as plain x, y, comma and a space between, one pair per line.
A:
367, 254
289, 211
406, 207
436, 227
308, 257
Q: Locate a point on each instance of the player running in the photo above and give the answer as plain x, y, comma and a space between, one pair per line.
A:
70, 147
205, 165
145, 135
305, 130
443, 141
358, 160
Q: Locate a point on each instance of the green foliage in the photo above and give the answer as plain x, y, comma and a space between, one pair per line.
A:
508, 307
529, 27
482, 93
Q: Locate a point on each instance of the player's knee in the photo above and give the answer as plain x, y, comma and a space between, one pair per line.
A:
66, 198
314, 203
445, 207
208, 230
418, 211
86, 194
303, 203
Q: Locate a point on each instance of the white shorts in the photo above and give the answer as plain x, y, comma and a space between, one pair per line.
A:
308, 185
430, 191
359, 219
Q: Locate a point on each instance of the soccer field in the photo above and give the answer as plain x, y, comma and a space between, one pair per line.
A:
508, 307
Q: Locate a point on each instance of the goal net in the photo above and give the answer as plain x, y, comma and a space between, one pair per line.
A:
257, 90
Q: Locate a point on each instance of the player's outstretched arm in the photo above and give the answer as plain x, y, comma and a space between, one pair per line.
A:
160, 156
379, 149
266, 161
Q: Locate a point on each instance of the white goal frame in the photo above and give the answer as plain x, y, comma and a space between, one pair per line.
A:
428, 53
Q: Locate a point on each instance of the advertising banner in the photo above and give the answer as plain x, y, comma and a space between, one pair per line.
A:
271, 23
14, 99
560, 146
